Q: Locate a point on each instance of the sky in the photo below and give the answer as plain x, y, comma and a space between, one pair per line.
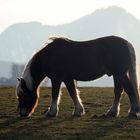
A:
55, 12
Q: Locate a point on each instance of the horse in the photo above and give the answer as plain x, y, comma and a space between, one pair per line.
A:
68, 61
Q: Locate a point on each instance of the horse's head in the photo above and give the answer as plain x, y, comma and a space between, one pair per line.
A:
27, 99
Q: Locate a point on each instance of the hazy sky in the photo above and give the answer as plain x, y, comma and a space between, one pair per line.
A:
54, 12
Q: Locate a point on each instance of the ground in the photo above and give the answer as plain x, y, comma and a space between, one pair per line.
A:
65, 127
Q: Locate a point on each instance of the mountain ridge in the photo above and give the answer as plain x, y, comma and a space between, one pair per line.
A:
19, 41
27, 37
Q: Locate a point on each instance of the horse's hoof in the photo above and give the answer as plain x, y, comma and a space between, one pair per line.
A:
134, 115
111, 115
50, 113
78, 114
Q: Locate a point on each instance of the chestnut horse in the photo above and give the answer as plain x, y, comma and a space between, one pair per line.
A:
68, 61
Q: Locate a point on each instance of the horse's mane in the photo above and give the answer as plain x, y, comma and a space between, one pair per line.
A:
46, 46
57, 39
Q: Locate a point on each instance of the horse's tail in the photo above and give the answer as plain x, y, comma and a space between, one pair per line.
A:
133, 71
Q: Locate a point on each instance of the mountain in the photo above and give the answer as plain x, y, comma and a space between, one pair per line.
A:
19, 41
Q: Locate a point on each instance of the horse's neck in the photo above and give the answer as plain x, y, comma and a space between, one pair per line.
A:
28, 78
33, 80
32, 74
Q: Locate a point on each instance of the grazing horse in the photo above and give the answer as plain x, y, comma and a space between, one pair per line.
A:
68, 61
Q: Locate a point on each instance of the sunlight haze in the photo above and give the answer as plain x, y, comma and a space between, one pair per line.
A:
54, 12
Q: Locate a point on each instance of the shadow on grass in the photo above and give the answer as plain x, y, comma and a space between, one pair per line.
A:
31, 128
108, 129
68, 127
8, 121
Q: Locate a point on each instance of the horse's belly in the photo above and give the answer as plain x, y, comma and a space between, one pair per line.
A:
83, 74
78, 69
87, 76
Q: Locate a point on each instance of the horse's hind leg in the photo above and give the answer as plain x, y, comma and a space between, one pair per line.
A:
71, 86
53, 110
118, 89
133, 96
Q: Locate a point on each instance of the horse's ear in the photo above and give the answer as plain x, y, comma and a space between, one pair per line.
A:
23, 83
18, 79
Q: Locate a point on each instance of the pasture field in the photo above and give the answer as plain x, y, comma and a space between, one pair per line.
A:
65, 127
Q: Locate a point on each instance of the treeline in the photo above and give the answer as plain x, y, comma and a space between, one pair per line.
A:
15, 73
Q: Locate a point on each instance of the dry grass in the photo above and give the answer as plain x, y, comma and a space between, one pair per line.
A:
96, 102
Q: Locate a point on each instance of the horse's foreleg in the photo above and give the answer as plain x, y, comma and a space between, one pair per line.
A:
53, 110
71, 86
118, 89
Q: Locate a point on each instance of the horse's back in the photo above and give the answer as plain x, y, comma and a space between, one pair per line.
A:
88, 60
103, 50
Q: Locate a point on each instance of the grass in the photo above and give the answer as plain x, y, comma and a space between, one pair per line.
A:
65, 127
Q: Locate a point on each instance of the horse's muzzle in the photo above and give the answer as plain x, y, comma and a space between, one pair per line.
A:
23, 113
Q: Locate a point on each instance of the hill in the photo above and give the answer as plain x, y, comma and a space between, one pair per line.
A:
19, 41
